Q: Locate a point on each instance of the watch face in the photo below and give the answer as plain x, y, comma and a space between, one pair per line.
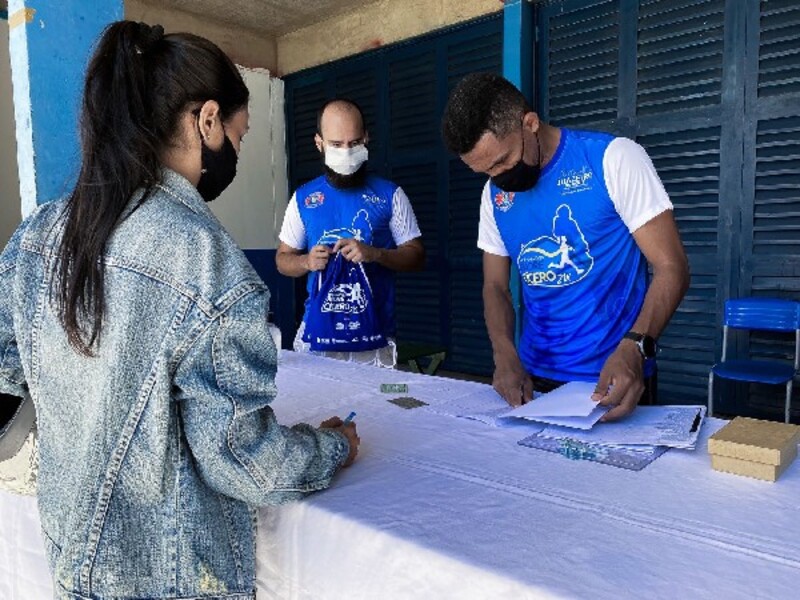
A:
649, 346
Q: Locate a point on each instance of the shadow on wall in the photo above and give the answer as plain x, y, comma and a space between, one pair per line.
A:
10, 203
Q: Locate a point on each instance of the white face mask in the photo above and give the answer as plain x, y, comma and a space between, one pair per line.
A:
346, 161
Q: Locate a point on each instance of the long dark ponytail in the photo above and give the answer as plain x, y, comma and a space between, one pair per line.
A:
138, 83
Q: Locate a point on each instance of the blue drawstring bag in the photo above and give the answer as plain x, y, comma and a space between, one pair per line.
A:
341, 312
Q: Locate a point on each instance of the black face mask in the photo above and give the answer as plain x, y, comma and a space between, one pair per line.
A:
522, 176
217, 169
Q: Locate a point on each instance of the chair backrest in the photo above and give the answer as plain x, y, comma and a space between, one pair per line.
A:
770, 314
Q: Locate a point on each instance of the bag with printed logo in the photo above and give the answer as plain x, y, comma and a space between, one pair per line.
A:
341, 310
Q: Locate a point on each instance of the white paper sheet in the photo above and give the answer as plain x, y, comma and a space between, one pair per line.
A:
572, 399
584, 423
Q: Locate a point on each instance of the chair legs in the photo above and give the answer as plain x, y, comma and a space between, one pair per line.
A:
787, 410
711, 394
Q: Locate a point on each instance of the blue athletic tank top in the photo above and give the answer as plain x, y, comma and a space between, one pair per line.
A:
583, 276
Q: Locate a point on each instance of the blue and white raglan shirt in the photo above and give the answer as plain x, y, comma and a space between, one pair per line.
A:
583, 277
378, 214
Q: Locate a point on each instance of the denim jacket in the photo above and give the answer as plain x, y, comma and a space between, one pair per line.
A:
154, 452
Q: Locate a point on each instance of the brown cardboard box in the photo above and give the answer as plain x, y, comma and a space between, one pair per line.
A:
747, 468
754, 448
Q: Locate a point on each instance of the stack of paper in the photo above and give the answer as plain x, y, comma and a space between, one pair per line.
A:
631, 443
570, 405
566, 421
646, 427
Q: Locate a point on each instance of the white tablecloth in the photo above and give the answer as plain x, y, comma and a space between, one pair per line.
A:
440, 507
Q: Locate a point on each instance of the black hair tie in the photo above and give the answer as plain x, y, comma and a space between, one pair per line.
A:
147, 37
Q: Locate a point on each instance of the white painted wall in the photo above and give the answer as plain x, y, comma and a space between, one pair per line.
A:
10, 211
252, 208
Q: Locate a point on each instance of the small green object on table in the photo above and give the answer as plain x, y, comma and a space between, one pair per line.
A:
394, 388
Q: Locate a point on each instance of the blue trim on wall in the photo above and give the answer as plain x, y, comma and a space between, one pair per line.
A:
60, 41
518, 44
4, 15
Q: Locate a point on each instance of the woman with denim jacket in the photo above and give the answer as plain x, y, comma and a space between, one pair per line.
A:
138, 328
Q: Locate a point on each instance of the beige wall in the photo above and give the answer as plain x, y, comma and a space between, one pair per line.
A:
10, 204
245, 47
373, 25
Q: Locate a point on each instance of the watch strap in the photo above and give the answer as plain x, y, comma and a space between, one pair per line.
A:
641, 340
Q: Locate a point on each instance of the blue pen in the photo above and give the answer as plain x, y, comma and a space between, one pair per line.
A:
349, 418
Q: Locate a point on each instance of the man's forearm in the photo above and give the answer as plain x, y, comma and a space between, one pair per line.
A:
292, 265
500, 320
408, 257
663, 297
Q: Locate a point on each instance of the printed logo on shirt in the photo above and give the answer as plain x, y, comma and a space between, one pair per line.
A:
346, 298
314, 200
503, 201
360, 229
556, 260
574, 180
372, 199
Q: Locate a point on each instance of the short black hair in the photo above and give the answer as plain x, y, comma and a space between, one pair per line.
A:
345, 101
481, 102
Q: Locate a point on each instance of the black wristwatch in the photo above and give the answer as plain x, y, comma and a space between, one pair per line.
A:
647, 345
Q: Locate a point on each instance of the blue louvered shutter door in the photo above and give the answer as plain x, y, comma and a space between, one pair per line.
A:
653, 71
771, 197
578, 69
304, 96
442, 305
679, 108
480, 49
413, 157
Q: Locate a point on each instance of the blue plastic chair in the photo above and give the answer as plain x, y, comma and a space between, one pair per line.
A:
765, 314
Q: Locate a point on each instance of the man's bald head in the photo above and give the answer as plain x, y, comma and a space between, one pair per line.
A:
341, 112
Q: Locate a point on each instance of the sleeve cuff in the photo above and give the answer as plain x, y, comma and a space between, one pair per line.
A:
491, 249
644, 219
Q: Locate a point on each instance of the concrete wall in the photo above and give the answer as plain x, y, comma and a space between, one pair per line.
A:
371, 26
245, 47
10, 205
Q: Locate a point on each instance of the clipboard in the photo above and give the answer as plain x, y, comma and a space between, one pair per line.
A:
633, 460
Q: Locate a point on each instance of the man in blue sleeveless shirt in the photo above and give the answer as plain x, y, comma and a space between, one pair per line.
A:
368, 219
581, 214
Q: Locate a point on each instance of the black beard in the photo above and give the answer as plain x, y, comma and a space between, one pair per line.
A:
346, 182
